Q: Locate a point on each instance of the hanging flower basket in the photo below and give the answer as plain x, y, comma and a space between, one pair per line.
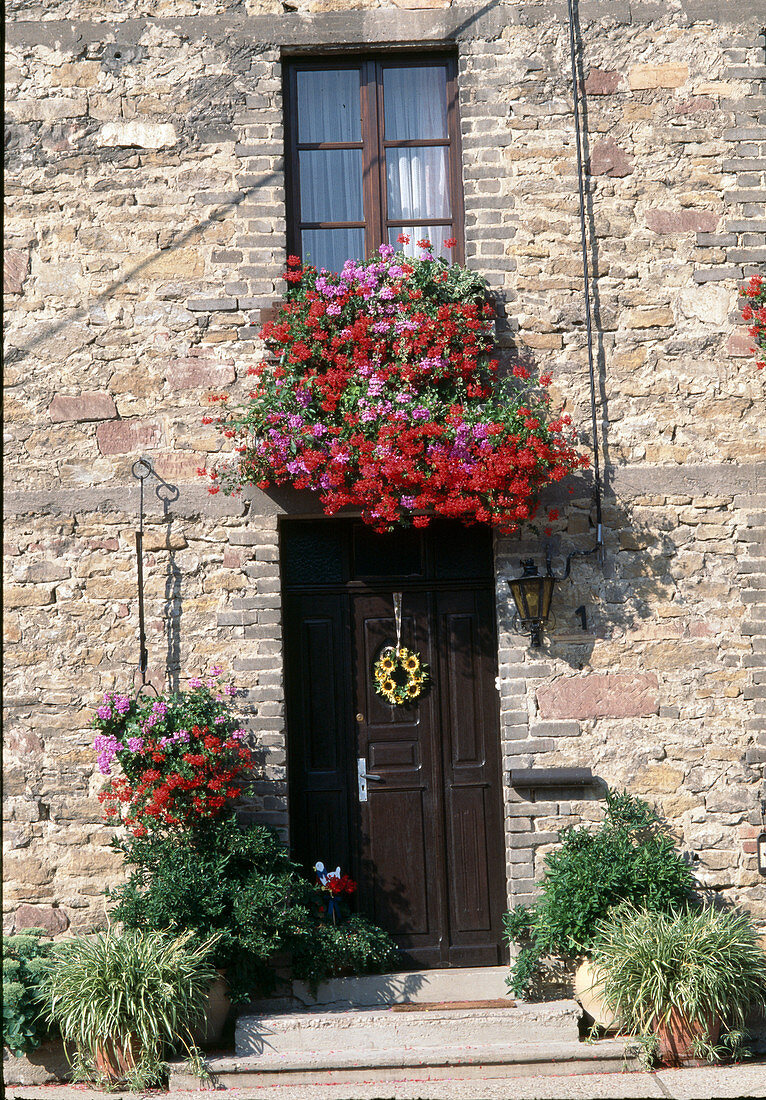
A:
384, 399
179, 757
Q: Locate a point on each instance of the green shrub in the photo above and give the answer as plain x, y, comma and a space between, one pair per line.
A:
355, 944
24, 955
628, 857
242, 885
138, 992
704, 965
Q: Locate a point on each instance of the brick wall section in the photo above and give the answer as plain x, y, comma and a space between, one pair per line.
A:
146, 232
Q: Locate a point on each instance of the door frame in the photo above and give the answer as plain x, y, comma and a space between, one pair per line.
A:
343, 592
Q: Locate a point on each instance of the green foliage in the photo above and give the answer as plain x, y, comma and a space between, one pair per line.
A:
140, 990
629, 857
241, 885
24, 956
702, 964
355, 945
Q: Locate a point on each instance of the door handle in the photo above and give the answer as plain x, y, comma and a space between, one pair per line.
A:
362, 776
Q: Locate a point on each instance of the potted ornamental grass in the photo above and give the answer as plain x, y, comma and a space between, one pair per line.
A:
384, 397
123, 999
678, 978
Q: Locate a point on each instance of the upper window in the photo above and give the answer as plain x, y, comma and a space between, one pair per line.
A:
373, 155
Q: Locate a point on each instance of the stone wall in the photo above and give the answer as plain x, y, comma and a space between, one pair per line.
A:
145, 230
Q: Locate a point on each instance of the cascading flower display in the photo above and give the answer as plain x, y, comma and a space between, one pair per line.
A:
384, 399
754, 309
181, 756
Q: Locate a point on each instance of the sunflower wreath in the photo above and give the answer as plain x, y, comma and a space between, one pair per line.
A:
400, 675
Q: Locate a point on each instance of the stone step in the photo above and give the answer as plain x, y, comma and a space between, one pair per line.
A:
466, 1062
485, 983
318, 1031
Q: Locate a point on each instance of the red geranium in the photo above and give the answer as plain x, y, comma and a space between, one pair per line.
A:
754, 310
384, 399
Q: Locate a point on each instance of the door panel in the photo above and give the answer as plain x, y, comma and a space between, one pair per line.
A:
399, 897
318, 705
473, 809
401, 837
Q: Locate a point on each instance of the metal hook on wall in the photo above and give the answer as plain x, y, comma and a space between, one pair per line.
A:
167, 493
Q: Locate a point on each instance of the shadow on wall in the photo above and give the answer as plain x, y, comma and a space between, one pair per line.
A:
634, 592
17, 353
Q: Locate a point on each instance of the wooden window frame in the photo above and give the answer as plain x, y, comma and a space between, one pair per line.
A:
375, 214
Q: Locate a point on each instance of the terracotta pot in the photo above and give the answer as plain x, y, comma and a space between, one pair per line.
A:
114, 1058
677, 1037
209, 1032
590, 994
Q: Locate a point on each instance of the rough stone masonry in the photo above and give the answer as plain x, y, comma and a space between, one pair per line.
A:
145, 231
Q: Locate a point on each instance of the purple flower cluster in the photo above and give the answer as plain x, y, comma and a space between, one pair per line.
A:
106, 747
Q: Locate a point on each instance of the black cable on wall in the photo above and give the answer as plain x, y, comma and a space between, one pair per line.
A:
586, 278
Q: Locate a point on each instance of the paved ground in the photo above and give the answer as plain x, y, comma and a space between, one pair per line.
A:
708, 1083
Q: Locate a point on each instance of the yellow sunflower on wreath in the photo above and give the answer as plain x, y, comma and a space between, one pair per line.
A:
400, 675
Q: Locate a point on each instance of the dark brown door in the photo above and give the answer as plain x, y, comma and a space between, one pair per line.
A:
426, 844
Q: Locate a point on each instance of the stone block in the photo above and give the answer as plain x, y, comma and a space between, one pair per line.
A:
709, 304
156, 539
207, 305
27, 596
682, 221
41, 916
144, 135
124, 436
658, 779
78, 74
600, 695
51, 109
15, 270
27, 870
607, 158
41, 571
86, 406
601, 82
660, 317
670, 75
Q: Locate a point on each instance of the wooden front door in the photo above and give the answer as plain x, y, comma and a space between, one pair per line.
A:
426, 843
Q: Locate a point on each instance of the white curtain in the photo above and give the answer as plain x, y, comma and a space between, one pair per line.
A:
415, 103
330, 179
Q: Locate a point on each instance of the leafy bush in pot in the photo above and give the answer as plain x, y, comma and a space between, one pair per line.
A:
242, 885
684, 971
628, 857
24, 960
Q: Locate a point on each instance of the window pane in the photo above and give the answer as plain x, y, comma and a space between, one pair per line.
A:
436, 234
330, 248
331, 185
415, 103
329, 105
418, 182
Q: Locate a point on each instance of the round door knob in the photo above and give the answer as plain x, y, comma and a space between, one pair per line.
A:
360, 717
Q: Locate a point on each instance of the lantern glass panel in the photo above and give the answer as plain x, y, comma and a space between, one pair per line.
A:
547, 594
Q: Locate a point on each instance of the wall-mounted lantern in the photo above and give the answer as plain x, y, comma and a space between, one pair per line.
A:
533, 593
